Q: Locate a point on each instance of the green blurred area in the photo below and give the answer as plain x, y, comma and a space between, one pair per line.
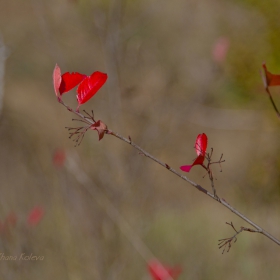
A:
165, 86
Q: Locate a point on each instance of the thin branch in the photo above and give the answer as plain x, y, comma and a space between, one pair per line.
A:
273, 103
143, 152
265, 83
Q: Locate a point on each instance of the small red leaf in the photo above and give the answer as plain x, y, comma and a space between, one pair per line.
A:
201, 144
35, 216
270, 79
59, 157
90, 85
198, 161
200, 147
186, 168
160, 272
220, 49
100, 127
56, 79
70, 80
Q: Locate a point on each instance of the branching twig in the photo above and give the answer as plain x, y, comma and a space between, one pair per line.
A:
209, 171
142, 151
227, 242
79, 132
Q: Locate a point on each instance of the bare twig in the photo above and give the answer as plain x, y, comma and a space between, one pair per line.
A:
143, 152
209, 171
227, 242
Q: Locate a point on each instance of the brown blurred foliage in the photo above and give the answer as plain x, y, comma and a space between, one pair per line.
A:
165, 87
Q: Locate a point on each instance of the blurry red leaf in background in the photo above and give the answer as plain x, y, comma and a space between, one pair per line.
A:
35, 216
200, 147
88, 85
100, 127
220, 49
59, 157
270, 79
162, 272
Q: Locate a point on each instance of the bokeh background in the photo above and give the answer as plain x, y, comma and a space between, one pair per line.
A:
176, 69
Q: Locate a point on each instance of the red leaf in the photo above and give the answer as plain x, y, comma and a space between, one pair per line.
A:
186, 168
200, 147
220, 49
100, 127
90, 85
160, 272
70, 80
270, 79
198, 161
35, 216
59, 157
201, 144
56, 79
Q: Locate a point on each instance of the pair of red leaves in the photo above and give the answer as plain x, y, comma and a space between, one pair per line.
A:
88, 85
162, 272
33, 219
200, 147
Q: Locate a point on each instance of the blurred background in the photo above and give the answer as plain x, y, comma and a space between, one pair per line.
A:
176, 69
